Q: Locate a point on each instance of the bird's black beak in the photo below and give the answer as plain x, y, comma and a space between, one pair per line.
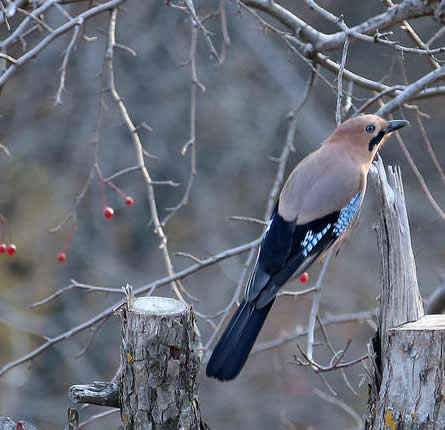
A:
395, 125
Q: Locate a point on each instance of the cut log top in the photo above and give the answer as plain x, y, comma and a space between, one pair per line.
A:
157, 306
428, 322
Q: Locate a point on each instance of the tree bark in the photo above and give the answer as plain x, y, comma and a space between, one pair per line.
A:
406, 368
400, 300
97, 393
412, 390
160, 366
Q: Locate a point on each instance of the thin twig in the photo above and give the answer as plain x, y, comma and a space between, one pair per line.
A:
122, 172
64, 64
340, 82
234, 299
149, 288
94, 330
191, 143
76, 285
415, 37
411, 90
98, 417
334, 353
158, 230
8, 58
248, 219
315, 306
377, 97
288, 146
333, 400
419, 177
80, 196
430, 149
297, 293
78, 20
226, 38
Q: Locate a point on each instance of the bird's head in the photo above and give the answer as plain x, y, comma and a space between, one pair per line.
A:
365, 134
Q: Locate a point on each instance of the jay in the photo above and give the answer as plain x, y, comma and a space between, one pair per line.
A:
319, 202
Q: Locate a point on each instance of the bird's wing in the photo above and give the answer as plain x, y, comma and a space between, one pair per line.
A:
288, 249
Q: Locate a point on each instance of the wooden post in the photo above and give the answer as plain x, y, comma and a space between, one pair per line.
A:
160, 365
407, 369
160, 360
412, 394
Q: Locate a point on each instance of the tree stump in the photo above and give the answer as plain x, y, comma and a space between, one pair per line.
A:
412, 389
160, 365
407, 373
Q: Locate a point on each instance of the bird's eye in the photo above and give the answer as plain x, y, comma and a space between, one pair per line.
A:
370, 128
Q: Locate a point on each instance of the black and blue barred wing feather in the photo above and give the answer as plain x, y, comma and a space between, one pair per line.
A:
286, 250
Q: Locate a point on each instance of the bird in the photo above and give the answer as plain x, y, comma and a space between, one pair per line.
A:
318, 204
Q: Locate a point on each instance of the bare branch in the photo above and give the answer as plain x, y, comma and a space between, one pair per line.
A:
429, 148
297, 293
340, 82
411, 90
306, 52
299, 332
144, 289
78, 20
323, 42
333, 400
64, 64
415, 38
98, 417
191, 143
139, 149
315, 307
73, 285
248, 219
436, 302
419, 177
377, 97
288, 147
8, 57
72, 211
334, 354
122, 172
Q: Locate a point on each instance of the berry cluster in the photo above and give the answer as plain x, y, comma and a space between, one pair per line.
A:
108, 211
11, 249
6, 246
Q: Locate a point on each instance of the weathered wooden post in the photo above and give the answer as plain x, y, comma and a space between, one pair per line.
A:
160, 365
407, 371
160, 360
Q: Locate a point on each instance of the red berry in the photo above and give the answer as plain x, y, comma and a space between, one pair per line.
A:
108, 212
61, 256
3, 248
304, 277
12, 249
129, 201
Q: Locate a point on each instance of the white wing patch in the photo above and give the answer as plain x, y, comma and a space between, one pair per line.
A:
311, 239
346, 215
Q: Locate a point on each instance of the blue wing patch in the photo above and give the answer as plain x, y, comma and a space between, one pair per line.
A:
347, 214
311, 239
287, 249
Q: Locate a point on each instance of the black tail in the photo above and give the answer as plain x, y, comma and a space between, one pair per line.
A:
232, 350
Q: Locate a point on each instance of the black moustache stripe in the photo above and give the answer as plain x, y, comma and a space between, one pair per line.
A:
376, 140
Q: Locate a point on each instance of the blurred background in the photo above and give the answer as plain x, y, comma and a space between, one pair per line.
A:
241, 123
